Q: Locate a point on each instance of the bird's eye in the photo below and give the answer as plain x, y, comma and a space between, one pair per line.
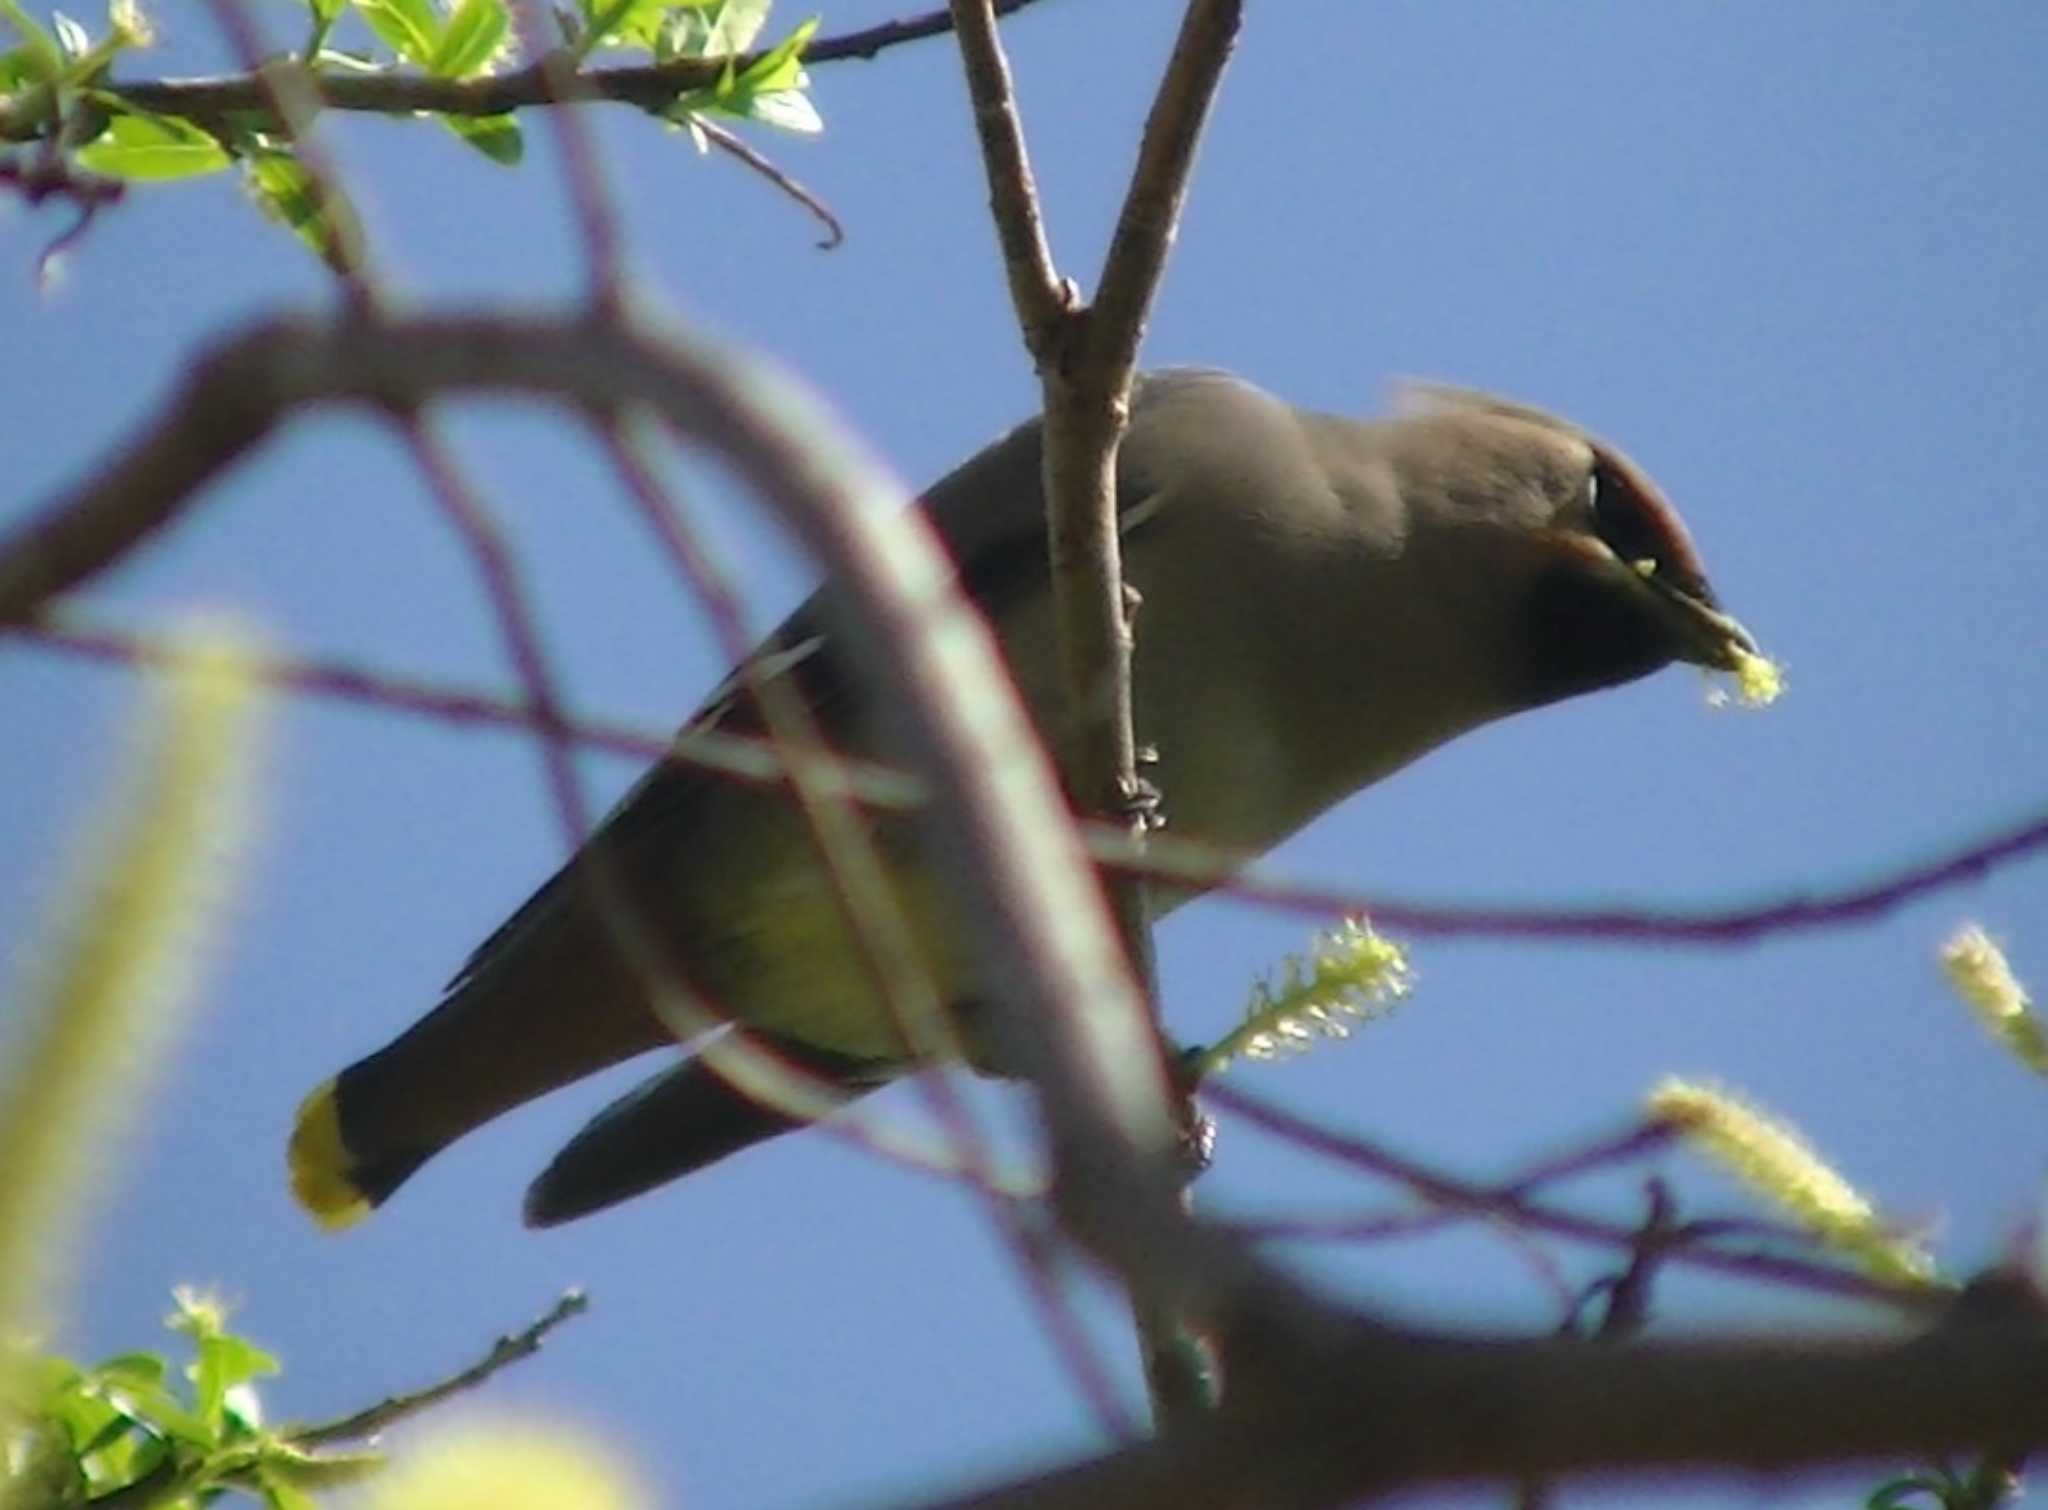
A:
1623, 517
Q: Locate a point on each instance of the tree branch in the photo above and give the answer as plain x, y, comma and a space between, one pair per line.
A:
1086, 361
207, 101
505, 1352
1164, 857
1367, 1414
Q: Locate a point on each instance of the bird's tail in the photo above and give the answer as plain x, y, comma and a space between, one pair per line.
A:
498, 1040
681, 1120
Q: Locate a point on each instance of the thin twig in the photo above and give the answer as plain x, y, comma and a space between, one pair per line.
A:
1042, 298
517, 624
728, 142
868, 902
1164, 858
597, 220
505, 1352
1512, 1204
1741, 923
743, 757
292, 100
1146, 224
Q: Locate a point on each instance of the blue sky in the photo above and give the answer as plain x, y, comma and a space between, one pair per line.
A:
1788, 257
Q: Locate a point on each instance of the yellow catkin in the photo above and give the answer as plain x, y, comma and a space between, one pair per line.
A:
1977, 969
1771, 1158
501, 1466
121, 958
1351, 975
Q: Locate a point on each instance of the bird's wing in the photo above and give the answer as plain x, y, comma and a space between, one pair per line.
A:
989, 514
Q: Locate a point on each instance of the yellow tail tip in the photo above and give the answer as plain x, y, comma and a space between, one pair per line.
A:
320, 1164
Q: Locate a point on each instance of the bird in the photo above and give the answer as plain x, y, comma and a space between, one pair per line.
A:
1324, 599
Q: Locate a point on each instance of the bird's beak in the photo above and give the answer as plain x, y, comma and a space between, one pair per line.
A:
1707, 636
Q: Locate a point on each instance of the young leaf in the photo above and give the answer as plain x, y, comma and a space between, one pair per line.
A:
153, 148
71, 37
496, 136
734, 25
789, 109
224, 1362
44, 59
145, 1368
410, 28
622, 23
781, 67
160, 1413
285, 191
474, 33
19, 68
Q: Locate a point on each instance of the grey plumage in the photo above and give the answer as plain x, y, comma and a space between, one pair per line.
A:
1324, 600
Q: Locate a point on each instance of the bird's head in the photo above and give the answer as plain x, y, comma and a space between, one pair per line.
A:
1595, 579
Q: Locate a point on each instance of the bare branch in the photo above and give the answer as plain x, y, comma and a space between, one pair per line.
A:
505, 1352
1163, 858
740, 756
597, 220
1151, 211
1043, 300
505, 588
760, 162
1086, 362
1367, 1413
1513, 1202
1802, 911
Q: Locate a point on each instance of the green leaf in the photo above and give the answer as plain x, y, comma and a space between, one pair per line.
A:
734, 25
225, 1361
19, 68
117, 1423
787, 109
40, 60
284, 191
38, 1382
160, 1412
496, 136
327, 12
472, 38
781, 67
134, 1368
410, 28
282, 1494
623, 23
153, 148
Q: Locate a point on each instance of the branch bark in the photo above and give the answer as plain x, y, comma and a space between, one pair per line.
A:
1365, 1414
1086, 358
